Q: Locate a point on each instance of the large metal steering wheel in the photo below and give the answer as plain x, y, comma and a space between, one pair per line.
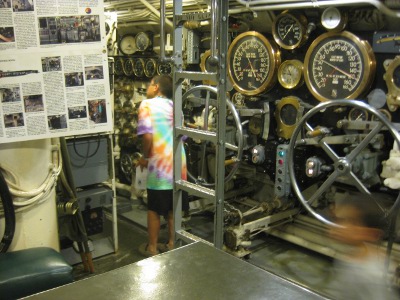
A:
342, 166
194, 95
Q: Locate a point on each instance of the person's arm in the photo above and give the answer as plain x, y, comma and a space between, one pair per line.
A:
147, 143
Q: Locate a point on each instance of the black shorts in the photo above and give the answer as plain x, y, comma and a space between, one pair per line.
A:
160, 201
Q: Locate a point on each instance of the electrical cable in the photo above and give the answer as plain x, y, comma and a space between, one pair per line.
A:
9, 214
87, 154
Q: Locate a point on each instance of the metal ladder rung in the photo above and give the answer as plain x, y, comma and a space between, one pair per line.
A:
196, 190
193, 133
196, 76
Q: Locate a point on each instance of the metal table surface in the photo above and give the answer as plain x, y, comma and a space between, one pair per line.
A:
194, 271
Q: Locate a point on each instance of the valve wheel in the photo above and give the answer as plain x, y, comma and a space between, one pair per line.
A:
342, 165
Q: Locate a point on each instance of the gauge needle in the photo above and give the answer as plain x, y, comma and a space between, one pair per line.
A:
290, 28
340, 70
251, 67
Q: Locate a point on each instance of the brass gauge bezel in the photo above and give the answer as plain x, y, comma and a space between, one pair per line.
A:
139, 72
143, 41
282, 72
127, 44
205, 67
150, 67
327, 16
332, 41
128, 61
360, 111
385, 112
256, 40
393, 90
119, 66
163, 64
285, 130
300, 22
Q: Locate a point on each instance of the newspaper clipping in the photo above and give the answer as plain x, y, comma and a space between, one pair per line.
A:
54, 77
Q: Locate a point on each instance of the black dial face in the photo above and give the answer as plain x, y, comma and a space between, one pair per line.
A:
138, 67
358, 114
288, 31
396, 76
150, 67
253, 62
164, 69
127, 44
338, 66
128, 67
288, 114
142, 41
119, 66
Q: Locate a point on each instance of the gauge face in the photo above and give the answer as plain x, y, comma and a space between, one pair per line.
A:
290, 74
119, 66
288, 31
338, 66
164, 68
253, 62
333, 19
128, 67
357, 114
127, 44
138, 67
143, 41
288, 114
150, 67
385, 113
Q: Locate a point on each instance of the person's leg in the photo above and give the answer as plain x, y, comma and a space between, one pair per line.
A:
153, 229
171, 232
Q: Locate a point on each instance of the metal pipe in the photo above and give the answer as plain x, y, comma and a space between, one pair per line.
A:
213, 59
163, 58
156, 12
253, 5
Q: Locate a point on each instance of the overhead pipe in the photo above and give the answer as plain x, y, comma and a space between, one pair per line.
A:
163, 58
289, 4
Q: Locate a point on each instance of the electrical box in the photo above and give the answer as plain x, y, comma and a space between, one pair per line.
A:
89, 160
193, 53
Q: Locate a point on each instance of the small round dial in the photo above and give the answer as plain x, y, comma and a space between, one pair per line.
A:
143, 41
127, 44
253, 62
150, 67
128, 67
288, 114
333, 20
357, 114
119, 66
138, 67
164, 68
290, 74
289, 31
339, 66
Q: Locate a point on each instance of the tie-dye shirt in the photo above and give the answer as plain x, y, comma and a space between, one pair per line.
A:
156, 117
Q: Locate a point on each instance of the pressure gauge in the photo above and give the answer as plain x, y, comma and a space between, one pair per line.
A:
127, 44
287, 114
164, 68
333, 20
128, 67
119, 66
358, 114
289, 31
253, 62
143, 41
150, 67
339, 66
138, 67
290, 74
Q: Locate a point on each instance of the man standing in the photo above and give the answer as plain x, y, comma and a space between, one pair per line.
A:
156, 128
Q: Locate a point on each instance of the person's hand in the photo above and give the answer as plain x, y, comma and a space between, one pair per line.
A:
142, 162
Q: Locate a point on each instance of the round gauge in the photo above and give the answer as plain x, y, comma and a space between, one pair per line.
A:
290, 74
385, 112
339, 66
287, 113
143, 41
252, 63
128, 67
206, 66
138, 67
119, 66
164, 68
255, 125
333, 20
289, 31
357, 114
127, 44
150, 67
